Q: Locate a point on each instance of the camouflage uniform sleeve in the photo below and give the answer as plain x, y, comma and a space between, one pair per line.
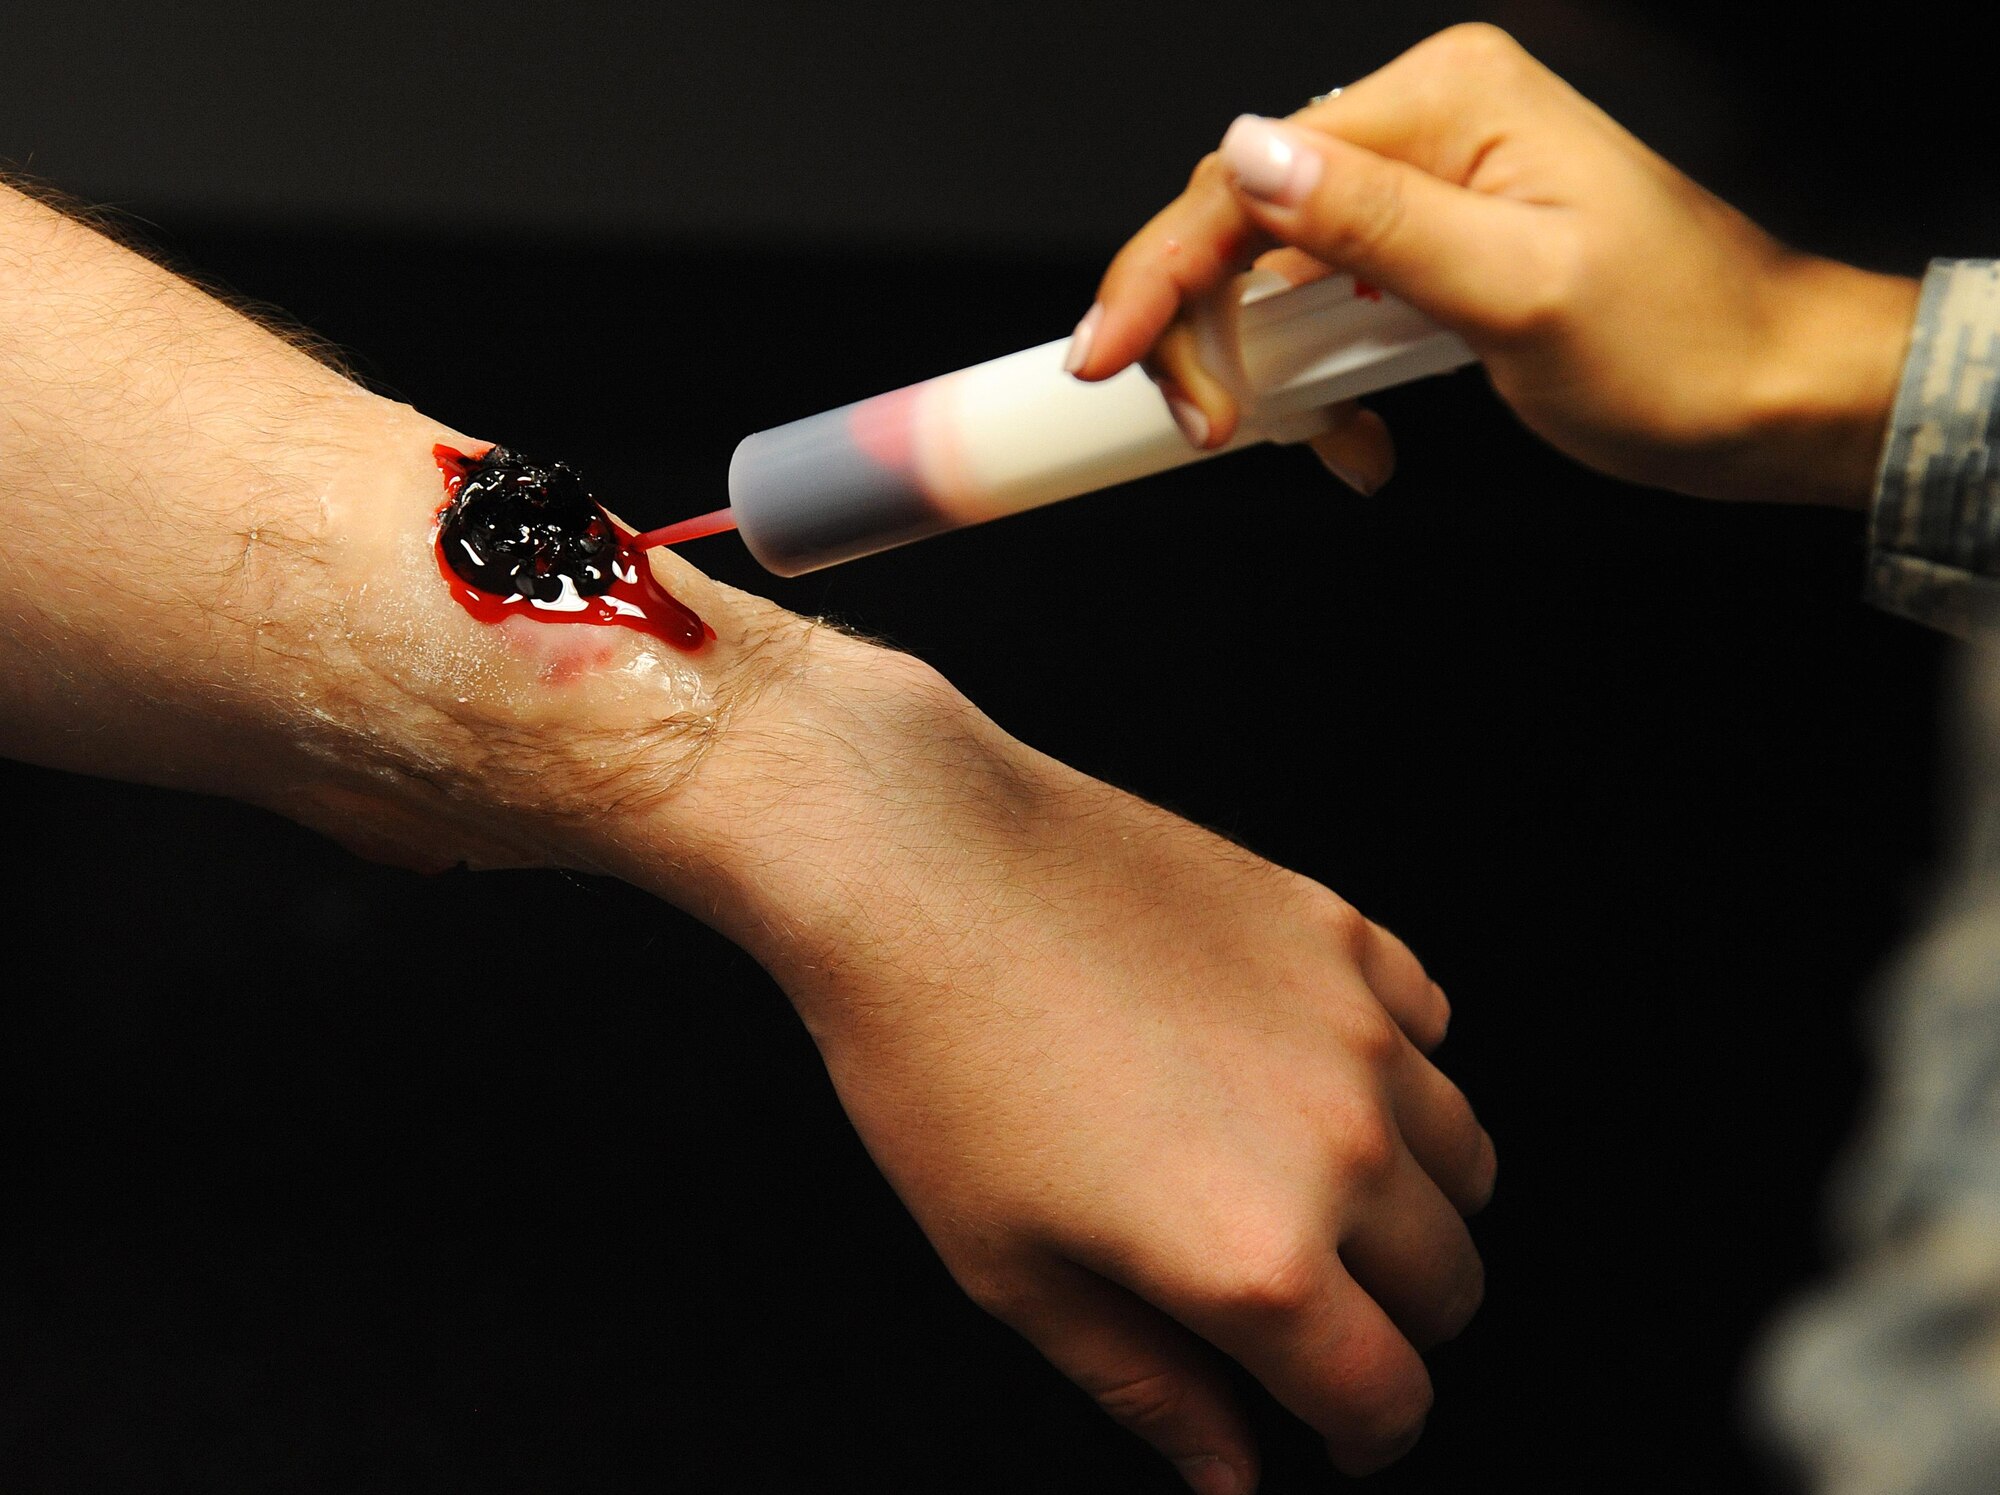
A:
1934, 551
1886, 1379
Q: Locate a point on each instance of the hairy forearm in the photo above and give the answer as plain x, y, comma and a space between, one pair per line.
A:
222, 578
156, 450
1109, 1059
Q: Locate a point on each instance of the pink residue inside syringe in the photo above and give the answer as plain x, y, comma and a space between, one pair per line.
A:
885, 429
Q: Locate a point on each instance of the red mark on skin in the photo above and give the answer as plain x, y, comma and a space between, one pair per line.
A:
1363, 291
1171, 248
635, 600
885, 428
560, 654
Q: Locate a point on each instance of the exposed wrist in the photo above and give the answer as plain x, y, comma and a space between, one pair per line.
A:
852, 781
1820, 405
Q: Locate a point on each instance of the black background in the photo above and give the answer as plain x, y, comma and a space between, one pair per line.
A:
296, 1201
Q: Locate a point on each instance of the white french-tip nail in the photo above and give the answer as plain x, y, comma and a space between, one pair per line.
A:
1188, 416
1270, 161
1081, 339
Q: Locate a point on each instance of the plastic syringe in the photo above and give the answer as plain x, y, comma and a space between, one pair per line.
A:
1019, 432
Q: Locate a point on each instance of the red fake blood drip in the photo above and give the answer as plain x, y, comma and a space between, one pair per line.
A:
652, 609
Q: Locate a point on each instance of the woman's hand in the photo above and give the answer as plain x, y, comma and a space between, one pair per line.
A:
1631, 318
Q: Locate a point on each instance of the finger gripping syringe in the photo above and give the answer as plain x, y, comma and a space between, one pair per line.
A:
1019, 432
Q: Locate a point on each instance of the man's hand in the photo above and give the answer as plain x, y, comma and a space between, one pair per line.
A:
1631, 318
1142, 1088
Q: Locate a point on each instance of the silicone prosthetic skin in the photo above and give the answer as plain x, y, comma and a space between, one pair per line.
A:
519, 540
591, 684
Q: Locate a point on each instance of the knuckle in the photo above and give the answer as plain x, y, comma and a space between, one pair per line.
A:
1471, 44
1144, 1402
1340, 923
1373, 1037
1370, 216
1279, 1277
1365, 1145
1381, 1040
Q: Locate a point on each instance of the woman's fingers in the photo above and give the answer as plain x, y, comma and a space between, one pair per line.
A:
1202, 407
1470, 260
1151, 1375
1442, 105
1191, 246
1356, 446
1438, 111
1357, 449
1294, 265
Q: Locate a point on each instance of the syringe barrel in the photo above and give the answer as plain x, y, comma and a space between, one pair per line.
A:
1019, 432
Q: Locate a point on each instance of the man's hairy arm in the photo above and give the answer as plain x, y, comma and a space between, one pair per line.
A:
1141, 1088
223, 581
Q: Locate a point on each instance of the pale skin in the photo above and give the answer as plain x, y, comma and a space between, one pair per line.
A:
1627, 316
1154, 1100
1630, 318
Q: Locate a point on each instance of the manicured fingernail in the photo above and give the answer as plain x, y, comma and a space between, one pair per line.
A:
1080, 340
1208, 1475
1354, 477
1270, 161
1188, 416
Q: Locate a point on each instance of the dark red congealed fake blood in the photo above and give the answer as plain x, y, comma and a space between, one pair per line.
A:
516, 539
